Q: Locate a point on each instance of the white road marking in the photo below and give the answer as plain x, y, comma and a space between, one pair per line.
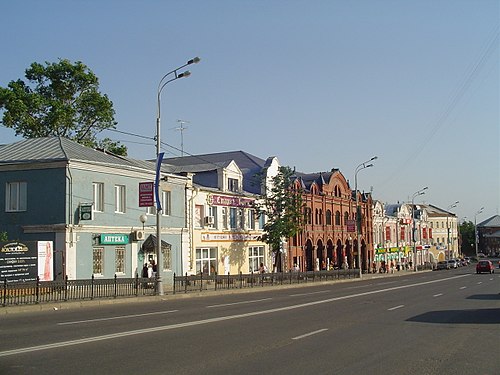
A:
306, 294
395, 307
309, 334
438, 295
463, 287
157, 329
238, 303
116, 317
479, 283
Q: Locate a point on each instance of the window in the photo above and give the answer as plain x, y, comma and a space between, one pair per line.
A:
119, 259
98, 190
16, 196
337, 218
262, 221
255, 257
328, 217
120, 202
98, 261
250, 219
225, 220
232, 184
198, 216
151, 210
212, 213
346, 217
166, 203
206, 260
167, 257
233, 217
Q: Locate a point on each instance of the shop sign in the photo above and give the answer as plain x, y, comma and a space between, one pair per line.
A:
223, 200
114, 239
18, 261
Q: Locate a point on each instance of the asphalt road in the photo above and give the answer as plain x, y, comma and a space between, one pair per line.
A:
443, 322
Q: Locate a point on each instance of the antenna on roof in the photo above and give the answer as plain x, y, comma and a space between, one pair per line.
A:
181, 128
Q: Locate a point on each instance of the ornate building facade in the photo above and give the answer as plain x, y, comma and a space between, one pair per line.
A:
329, 237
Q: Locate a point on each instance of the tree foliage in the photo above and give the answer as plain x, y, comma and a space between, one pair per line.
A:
58, 99
283, 206
468, 240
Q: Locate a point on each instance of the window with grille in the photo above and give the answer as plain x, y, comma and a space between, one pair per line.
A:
119, 259
98, 261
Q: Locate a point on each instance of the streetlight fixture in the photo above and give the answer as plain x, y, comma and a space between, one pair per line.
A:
448, 227
159, 156
416, 194
358, 210
475, 227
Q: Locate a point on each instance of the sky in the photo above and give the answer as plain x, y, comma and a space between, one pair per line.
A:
319, 84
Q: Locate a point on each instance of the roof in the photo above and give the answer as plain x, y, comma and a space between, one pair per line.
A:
493, 221
50, 149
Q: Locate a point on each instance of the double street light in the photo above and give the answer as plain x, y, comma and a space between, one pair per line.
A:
159, 156
475, 227
358, 210
416, 194
448, 227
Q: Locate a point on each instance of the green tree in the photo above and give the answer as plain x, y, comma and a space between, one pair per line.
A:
283, 206
58, 99
467, 235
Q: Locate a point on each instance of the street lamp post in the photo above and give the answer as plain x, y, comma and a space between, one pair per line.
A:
161, 85
420, 192
358, 210
448, 226
475, 227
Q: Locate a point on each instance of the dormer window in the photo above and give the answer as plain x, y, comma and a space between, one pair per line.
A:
233, 185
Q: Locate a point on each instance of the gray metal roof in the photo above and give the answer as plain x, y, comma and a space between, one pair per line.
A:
50, 149
493, 221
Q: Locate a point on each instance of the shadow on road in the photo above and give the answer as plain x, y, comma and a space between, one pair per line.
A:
477, 316
485, 297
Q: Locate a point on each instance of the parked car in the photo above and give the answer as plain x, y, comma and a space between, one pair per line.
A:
443, 265
452, 263
485, 266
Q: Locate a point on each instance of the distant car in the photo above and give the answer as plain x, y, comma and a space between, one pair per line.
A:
443, 265
485, 266
452, 263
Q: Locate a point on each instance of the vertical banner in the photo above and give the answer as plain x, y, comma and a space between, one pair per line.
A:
45, 260
157, 180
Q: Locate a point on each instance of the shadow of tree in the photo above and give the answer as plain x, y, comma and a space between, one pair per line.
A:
236, 253
475, 316
485, 297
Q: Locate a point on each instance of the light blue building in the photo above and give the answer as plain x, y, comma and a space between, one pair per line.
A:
87, 202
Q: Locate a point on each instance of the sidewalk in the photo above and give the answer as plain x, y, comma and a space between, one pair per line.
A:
169, 296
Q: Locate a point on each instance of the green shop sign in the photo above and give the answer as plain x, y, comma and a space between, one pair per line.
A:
114, 239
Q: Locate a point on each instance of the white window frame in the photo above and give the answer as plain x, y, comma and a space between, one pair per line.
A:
206, 258
16, 196
166, 203
233, 184
120, 259
255, 258
120, 199
98, 262
98, 196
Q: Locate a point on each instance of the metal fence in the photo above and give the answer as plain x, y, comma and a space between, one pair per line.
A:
204, 282
34, 292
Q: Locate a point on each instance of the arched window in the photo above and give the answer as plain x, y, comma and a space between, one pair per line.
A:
316, 219
328, 217
337, 218
346, 217
320, 216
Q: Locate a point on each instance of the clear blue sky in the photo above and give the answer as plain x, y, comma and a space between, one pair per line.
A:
319, 84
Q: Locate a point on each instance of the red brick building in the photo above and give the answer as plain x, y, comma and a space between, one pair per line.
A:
329, 237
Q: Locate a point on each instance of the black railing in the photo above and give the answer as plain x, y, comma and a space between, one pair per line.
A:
37, 291
204, 282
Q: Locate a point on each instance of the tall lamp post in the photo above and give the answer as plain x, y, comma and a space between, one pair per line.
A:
161, 85
475, 227
416, 194
448, 227
358, 210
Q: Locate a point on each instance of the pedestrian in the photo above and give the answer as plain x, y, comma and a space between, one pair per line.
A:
262, 268
145, 270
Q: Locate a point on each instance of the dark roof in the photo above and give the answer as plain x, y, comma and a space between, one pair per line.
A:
493, 221
205, 162
50, 149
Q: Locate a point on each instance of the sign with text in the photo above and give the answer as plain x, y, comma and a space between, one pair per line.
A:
146, 194
114, 239
18, 261
224, 200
